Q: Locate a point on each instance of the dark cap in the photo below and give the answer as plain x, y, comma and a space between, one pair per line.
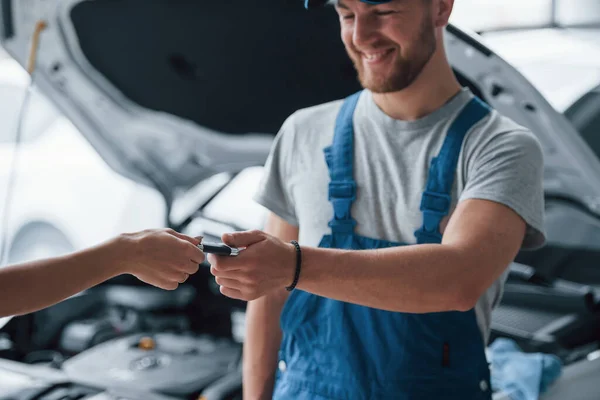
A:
319, 3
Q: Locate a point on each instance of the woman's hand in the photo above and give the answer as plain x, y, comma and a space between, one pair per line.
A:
160, 257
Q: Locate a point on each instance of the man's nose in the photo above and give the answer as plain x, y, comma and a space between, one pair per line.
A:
365, 31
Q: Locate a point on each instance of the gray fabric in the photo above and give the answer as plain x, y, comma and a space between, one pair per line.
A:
499, 161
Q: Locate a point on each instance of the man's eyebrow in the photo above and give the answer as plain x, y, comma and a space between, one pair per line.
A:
340, 4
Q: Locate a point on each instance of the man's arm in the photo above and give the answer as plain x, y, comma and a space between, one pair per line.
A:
263, 334
163, 258
480, 241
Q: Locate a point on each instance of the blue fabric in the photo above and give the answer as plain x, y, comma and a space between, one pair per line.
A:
342, 188
436, 200
522, 376
319, 3
338, 350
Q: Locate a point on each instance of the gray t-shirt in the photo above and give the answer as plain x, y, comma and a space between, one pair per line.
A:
499, 161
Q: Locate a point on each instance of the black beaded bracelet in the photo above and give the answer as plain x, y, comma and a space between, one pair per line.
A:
298, 265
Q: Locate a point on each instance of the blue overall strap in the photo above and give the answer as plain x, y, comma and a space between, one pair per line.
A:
436, 200
340, 159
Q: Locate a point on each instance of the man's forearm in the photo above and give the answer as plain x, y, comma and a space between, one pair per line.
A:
418, 279
34, 285
261, 345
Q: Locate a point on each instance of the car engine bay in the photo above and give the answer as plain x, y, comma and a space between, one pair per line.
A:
117, 337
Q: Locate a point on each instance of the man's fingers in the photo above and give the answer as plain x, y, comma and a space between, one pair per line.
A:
232, 293
225, 263
223, 273
230, 283
243, 239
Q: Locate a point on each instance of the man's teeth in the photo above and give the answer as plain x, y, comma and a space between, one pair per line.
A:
375, 56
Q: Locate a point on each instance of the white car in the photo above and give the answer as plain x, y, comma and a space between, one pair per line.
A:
554, 44
64, 196
562, 63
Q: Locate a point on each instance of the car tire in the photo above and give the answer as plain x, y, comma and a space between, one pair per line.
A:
36, 241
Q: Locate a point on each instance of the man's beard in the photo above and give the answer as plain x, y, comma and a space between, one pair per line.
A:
404, 71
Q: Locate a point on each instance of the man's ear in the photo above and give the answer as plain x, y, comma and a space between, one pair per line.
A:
442, 10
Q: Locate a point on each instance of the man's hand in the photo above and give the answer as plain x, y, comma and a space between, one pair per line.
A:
160, 257
266, 264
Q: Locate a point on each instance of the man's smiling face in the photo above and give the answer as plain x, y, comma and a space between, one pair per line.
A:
390, 43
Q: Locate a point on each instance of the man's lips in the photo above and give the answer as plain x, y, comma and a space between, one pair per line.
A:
376, 57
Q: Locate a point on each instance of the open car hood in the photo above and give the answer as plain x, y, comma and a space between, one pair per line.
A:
563, 72
171, 92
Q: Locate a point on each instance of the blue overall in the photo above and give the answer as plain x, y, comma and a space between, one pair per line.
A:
337, 350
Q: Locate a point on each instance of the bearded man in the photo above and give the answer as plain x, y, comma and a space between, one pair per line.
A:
395, 214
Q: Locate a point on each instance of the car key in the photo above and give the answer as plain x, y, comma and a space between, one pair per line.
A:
219, 249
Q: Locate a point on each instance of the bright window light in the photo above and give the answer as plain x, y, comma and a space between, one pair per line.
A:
480, 15
578, 12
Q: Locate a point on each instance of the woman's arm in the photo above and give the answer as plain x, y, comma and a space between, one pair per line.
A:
163, 258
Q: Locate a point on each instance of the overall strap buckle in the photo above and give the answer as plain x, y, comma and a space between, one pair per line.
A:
342, 226
339, 159
342, 190
435, 207
341, 195
435, 203
436, 200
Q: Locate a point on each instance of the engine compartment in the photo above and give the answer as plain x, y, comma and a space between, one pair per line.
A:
193, 362
115, 337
